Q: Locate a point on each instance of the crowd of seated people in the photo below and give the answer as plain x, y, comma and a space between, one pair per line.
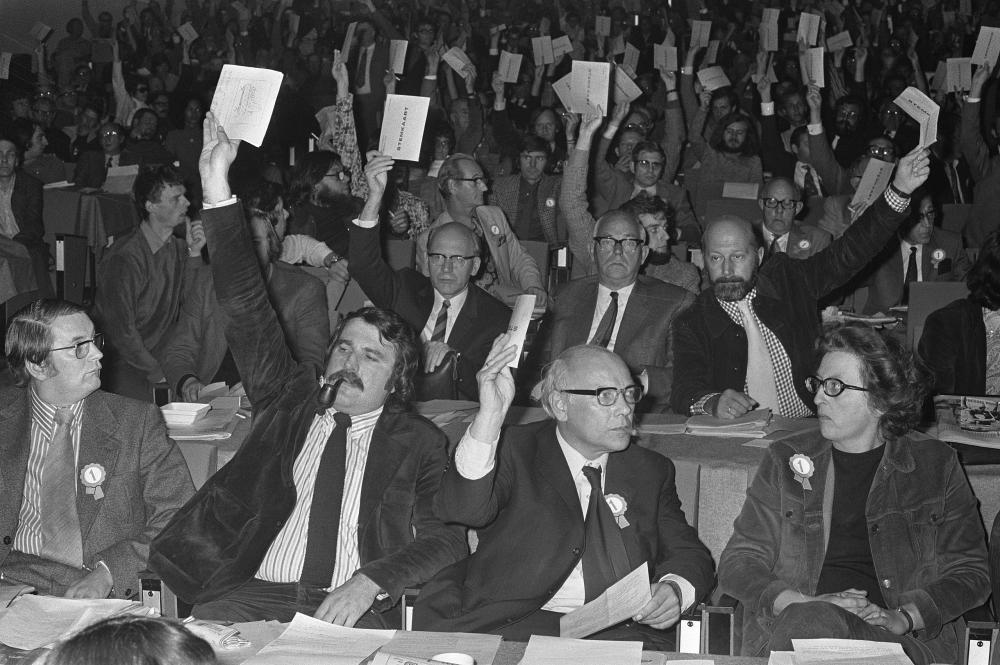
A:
683, 247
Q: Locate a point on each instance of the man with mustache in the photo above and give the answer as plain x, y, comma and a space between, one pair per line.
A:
327, 507
748, 341
564, 508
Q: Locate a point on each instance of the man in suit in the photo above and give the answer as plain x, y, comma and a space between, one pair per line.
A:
89, 478
264, 539
748, 341
453, 316
92, 166
617, 308
780, 202
21, 212
564, 508
530, 199
922, 253
367, 65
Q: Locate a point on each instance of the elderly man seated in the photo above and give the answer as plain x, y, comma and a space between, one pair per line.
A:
780, 201
565, 508
454, 316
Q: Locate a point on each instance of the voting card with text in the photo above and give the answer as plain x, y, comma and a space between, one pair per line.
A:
520, 318
403, 123
244, 100
987, 47
591, 84
509, 66
397, 55
924, 110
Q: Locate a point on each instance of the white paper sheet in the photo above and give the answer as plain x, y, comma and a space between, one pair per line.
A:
36, 621
625, 88
630, 62
187, 32
665, 57
839, 42
294, 20
621, 601
425, 644
244, 100
561, 46
713, 78
808, 28
590, 85
40, 31
987, 47
769, 36
873, 182
397, 55
564, 91
520, 317
924, 110
848, 651
509, 66
602, 26
403, 121
543, 650
309, 641
701, 33
541, 48
345, 49
814, 66
712, 53
959, 74
241, 10
457, 59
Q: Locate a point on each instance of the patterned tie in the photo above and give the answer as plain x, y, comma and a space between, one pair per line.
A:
605, 560
760, 369
773, 248
324, 515
910, 276
441, 324
61, 539
603, 335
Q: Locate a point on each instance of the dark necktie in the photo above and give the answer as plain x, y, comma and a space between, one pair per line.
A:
774, 247
61, 539
605, 560
361, 76
603, 335
910, 276
324, 515
441, 325
956, 182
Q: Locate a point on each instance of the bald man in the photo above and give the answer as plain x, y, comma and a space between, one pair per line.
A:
780, 203
748, 340
619, 309
453, 316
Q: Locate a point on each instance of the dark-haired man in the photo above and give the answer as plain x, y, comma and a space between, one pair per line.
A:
327, 507
530, 199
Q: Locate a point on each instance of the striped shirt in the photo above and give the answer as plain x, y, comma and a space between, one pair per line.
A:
284, 559
28, 538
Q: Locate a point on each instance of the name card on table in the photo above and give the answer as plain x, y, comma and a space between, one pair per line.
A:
509, 66
987, 47
541, 47
590, 85
713, 78
873, 183
839, 42
187, 32
397, 55
924, 110
701, 33
665, 57
958, 74
244, 100
403, 123
808, 28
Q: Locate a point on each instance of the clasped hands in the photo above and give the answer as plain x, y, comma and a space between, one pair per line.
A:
856, 602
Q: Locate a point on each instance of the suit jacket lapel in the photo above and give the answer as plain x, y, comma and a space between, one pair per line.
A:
551, 469
385, 455
15, 444
617, 482
99, 444
462, 328
582, 317
634, 316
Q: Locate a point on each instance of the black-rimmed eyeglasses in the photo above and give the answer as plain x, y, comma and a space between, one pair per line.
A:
832, 387
772, 202
609, 395
81, 349
627, 245
459, 262
479, 180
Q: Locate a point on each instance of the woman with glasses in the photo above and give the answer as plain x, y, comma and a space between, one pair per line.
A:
863, 529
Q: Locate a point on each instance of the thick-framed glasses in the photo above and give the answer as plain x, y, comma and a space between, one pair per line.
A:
81, 349
339, 175
881, 152
456, 261
787, 204
479, 180
627, 245
646, 164
608, 396
832, 387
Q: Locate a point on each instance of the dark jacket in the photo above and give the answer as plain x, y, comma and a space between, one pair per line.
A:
954, 347
217, 541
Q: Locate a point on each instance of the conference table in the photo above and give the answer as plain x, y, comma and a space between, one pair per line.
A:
95, 215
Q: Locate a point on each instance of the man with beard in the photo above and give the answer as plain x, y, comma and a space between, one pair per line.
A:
319, 195
748, 341
732, 155
657, 218
849, 138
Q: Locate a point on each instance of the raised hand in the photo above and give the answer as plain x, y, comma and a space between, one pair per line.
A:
218, 152
912, 170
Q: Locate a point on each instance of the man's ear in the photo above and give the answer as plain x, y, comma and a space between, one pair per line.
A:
38, 371
558, 406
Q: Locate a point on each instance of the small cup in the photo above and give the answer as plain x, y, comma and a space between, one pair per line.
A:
454, 659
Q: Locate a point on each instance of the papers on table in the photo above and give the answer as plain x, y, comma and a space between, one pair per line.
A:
590, 85
839, 42
621, 601
244, 100
665, 57
924, 110
36, 621
420, 644
987, 47
5, 65
397, 55
873, 183
519, 320
713, 78
544, 650
403, 123
856, 652
219, 637
309, 641
509, 66
748, 426
808, 28
217, 424
701, 33
958, 74
970, 420
541, 48
11, 592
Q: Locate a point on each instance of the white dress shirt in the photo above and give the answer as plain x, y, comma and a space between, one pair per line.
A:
769, 238
904, 247
455, 304
603, 302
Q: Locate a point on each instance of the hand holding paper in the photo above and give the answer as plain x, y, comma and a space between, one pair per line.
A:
403, 123
244, 100
519, 320
921, 108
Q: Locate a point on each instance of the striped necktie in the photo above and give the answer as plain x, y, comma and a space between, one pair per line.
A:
441, 324
61, 539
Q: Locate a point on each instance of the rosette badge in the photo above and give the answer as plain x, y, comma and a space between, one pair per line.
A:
618, 506
803, 468
93, 476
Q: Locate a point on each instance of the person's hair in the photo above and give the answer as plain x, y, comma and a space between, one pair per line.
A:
553, 374
397, 332
29, 335
150, 183
648, 146
260, 198
532, 143
895, 379
796, 190
133, 640
984, 278
727, 93
797, 134
750, 144
755, 240
20, 133
786, 94
450, 169
854, 100
308, 171
140, 113
644, 204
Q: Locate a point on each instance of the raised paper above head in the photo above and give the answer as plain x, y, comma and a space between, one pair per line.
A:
713, 78
924, 110
987, 47
770, 15
625, 88
769, 37
873, 182
345, 50
617, 45
631, 60
293, 27
712, 52
839, 42
509, 66
665, 58
561, 46
808, 28
564, 91
939, 81
701, 33
457, 59
813, 71
403, 123
397, 55
959, 74
187, 32
602, 26
541, 48
241, 10
520, 318
244, 100
40, 31
591, 84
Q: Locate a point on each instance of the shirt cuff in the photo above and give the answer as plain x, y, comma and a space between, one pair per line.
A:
474, 458
688, 597
221, 204
698, 408
815, 129
767, 108
896, 200
364, 223
973, 100
687, 71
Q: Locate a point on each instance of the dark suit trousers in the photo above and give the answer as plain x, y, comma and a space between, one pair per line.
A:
542, 622
258, 600
50, 578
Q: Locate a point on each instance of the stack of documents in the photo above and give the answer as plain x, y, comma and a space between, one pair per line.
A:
840, 652
750, 426
32, 622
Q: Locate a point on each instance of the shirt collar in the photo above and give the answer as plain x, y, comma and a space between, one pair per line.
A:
45, 413
154, 241
733, 308
455, 302
576, 461
623, 293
